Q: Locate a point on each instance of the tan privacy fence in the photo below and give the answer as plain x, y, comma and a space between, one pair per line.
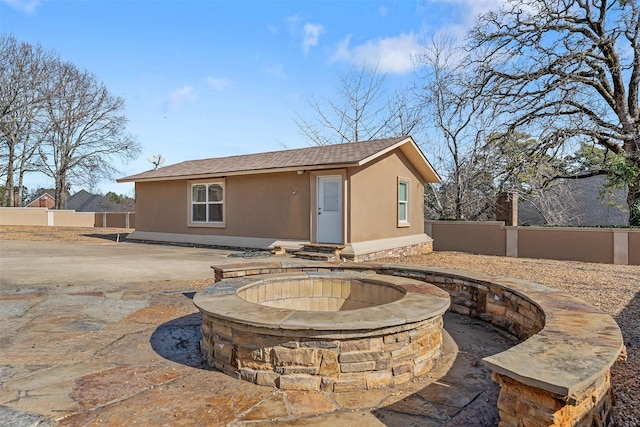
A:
604, 245
60, 218
115, 219
45, 217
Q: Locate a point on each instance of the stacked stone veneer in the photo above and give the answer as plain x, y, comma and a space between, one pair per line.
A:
559, 375
518, 402
495, 303
388, 358
399, 252
320, 294
502, 305
323, 331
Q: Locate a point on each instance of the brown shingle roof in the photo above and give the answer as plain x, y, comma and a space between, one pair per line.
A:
320, 157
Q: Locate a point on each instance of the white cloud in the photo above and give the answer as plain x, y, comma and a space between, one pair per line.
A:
472, 8
383, 11
342, 52
217, 83
311, 33
178, 96
465, 14
27, 6
389, 55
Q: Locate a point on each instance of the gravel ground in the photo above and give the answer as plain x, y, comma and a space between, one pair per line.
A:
613, 288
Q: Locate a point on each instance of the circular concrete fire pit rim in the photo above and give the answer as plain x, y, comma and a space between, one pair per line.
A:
370, 292
221, 301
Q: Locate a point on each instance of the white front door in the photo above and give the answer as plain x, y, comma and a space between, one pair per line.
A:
329, 215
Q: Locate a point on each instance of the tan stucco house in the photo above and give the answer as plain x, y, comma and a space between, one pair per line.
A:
367, 196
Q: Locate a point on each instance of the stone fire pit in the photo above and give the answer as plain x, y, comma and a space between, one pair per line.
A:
332, 331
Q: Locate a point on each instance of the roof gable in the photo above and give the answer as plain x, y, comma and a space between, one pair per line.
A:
311, 158
83, 201
43, 196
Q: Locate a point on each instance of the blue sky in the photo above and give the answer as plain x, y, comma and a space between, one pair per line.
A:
218, 78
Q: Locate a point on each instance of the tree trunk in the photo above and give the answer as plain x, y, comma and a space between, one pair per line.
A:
633, 202
8, 189
20, 190
61, 194
458, 203
633, 182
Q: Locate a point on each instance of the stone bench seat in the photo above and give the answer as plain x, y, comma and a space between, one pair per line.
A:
567, 343
559, 374
576, 346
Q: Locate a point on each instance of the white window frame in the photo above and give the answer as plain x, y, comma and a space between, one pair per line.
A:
403, 222
223, 202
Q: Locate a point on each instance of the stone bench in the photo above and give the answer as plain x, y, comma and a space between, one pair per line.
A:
558, 375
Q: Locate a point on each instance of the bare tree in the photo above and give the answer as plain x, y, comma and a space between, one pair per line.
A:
507, 159
112, 202
362, 111
553, 203
405, 114
86, 130
567, 71
460, 122
24, 70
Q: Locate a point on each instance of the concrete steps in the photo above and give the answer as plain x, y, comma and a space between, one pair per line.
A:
320, 252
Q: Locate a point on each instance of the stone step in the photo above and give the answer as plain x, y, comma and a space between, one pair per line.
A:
334, 252
323, 248
324, 245
317, 256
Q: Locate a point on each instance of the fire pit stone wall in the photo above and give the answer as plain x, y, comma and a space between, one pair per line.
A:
330, 331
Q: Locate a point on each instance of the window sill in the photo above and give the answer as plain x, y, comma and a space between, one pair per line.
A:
206, 225
404, 224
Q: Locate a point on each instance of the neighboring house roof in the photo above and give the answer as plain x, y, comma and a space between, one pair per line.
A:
35, 202
583, 205
83, 201
312, 158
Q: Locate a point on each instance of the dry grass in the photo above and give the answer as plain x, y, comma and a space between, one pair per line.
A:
62, 234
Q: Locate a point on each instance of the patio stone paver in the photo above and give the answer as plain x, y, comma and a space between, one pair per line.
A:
273, 407
358, 400
352, 419
189, 400
118, 383
16, 418
306, 403
112, 352
412, 407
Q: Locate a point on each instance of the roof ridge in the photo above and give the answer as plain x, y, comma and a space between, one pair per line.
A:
289, 150
307, 158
